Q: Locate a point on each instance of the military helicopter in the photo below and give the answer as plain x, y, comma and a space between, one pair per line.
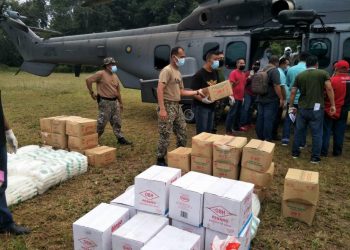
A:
240, 28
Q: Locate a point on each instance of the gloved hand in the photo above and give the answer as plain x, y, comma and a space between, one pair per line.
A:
231, 100
206, 101
12, 141
292, 110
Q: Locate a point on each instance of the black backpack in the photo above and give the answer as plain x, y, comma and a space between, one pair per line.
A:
260, 81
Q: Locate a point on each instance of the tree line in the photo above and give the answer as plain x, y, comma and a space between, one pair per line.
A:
70, 18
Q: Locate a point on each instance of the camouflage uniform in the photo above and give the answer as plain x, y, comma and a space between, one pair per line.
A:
175, 123
109, 111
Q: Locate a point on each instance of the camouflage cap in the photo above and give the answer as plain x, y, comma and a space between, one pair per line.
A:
108, 60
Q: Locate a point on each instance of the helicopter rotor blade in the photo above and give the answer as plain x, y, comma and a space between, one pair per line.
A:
89, 3
18, 25
36, 29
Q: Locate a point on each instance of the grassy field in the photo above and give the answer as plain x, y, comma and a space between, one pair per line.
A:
26, 98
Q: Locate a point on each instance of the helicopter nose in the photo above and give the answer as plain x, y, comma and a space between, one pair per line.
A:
279, 5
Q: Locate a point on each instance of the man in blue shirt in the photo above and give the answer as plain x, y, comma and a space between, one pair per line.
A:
291, 75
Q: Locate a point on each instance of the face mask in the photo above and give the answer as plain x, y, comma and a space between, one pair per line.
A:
180, 62
215, 64
287, 53
221, 63
242, 67
256, 69
114, 69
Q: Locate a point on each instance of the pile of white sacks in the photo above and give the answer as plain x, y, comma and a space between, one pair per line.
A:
33, 170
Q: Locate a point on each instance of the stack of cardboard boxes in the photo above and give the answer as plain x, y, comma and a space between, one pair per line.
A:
301, 194
76, 134
227, 153
257, 166
202, 152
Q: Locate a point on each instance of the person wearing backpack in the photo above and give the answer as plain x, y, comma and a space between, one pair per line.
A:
266, 84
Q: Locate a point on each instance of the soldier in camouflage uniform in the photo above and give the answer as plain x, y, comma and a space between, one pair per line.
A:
170, 115
108, 98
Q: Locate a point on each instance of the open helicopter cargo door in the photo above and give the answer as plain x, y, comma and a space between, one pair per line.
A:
149, 87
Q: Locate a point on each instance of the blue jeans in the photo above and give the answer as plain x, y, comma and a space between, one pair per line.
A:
266, 120
247, 110
314, 119
232, 119
337, 128
204, 119
5, 214
287, 128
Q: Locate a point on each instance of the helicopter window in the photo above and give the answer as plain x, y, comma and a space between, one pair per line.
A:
346, 50
209, 47
321, 47
234, 51
161, 56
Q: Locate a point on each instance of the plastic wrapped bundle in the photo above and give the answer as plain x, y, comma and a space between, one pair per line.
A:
20, 189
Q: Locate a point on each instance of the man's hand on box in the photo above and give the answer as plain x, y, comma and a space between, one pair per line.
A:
206, 100
231, 100
12, 141
200, 92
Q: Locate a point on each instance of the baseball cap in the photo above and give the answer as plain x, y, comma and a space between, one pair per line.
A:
342, 64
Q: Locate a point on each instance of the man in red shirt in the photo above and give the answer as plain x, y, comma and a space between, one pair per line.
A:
238, 79
336, 124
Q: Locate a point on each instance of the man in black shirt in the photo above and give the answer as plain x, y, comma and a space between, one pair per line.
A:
204, 108
7, 224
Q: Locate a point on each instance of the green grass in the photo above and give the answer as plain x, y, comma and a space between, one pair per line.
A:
26, 98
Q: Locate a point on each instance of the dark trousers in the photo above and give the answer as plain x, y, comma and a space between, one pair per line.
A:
337, 128
288, 124
204, 119
277, 122
247, 110
313, 119
232, 119
5, 214
266, 120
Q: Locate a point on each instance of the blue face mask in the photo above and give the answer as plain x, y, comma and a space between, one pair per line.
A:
114, 69
215, 64
180, 62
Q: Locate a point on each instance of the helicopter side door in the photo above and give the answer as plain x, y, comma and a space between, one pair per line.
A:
344, 46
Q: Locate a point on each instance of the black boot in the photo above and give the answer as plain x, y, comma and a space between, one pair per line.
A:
14, 229
161, 162
123, 141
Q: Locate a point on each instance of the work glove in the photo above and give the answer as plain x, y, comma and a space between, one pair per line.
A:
206, 101
12, 141
231, 100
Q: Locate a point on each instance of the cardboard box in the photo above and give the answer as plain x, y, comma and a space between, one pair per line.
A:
171, 238
302, 186
229, 149
187, 195
202, 144
192, 229
58, 124
55, 140
299, 211
257, 155
84, 142
228, 206
135, 233
79, 127
219, 91
94, 230
257, 178
226, 170
180, 158
126, 199
244, 237
101, 156
45, 124
202, 164
152, 189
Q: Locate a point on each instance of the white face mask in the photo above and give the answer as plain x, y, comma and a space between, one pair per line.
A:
114, 69
180, 61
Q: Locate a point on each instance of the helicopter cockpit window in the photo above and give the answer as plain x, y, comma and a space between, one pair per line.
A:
346, 50
321, 47
161, 56
234, 51
209, 47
